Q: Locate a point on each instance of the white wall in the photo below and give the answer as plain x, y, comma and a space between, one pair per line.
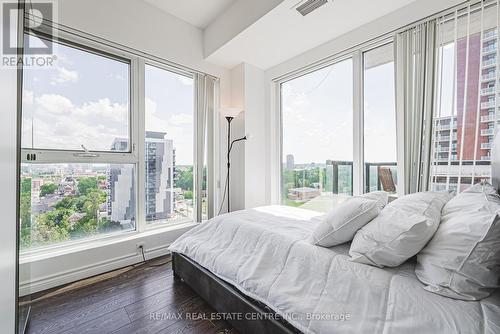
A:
248, 159
237, 184
138, 25
393, 21
8, 204
255, 148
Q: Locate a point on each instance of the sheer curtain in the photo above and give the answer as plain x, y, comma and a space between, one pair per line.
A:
415, 78
447, 98
206, 107
466, 102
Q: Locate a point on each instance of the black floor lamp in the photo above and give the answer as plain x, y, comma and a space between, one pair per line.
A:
230, 115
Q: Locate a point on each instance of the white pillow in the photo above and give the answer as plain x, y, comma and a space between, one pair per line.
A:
400, 231
462, 260
341, 223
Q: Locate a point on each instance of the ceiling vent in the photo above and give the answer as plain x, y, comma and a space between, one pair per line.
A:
309, 6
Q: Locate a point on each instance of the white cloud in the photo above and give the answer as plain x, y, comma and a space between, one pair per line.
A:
53, 104
61, 57
64, 75
58, 123
181, 119
116, 77
104, 109
28, 97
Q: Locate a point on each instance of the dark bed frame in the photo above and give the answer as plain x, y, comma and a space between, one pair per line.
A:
254, 317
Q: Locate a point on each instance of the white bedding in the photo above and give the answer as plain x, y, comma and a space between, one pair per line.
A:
264, 253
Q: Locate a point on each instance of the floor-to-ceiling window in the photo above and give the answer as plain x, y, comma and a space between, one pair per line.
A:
339, 129
379, 110
317, 129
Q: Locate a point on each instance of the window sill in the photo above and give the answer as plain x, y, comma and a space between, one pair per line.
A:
85, 245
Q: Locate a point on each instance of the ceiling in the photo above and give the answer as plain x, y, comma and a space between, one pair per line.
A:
199, 13
283, 33
237, 31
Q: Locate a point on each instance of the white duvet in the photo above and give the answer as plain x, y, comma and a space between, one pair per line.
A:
264, 253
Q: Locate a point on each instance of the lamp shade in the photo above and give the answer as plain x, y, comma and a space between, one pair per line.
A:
230, 112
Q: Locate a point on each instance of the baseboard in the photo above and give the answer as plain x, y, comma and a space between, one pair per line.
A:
46, 272
77, 274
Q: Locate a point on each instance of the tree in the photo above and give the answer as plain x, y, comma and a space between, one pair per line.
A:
67, 202
188, 194
25, 210
50, 228
26, 186
87, 185
25, 204
48, 189
185, 181
93, 202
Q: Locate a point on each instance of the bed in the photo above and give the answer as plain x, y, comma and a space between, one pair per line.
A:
257, 268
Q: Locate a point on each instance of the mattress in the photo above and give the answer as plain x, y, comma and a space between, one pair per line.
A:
265, 253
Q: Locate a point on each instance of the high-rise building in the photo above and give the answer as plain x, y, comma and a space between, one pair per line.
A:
290, 162
160, 171
121, 192
159, 182
463, 140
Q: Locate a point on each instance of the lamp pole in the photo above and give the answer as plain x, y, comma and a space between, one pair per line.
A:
229, 119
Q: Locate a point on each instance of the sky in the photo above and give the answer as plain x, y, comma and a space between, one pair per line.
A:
84, 100
318, 115
169, 108
447, 95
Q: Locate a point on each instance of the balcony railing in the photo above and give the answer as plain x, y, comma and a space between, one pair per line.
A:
441, 127
373, 180
488, 91
489, 35
306, 183
488, 104
485, 146
489, 48
445, 149
489, 63
487, 118
446, 138
489, 76
335, 167
445, 159
486, 158
487, 132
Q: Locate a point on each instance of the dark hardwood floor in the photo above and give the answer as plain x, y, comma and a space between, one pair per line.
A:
135, 299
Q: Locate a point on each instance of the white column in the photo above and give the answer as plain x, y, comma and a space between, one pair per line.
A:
8, 184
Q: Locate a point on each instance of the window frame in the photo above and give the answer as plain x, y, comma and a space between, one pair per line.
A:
137, 62
355, 53
55, 155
